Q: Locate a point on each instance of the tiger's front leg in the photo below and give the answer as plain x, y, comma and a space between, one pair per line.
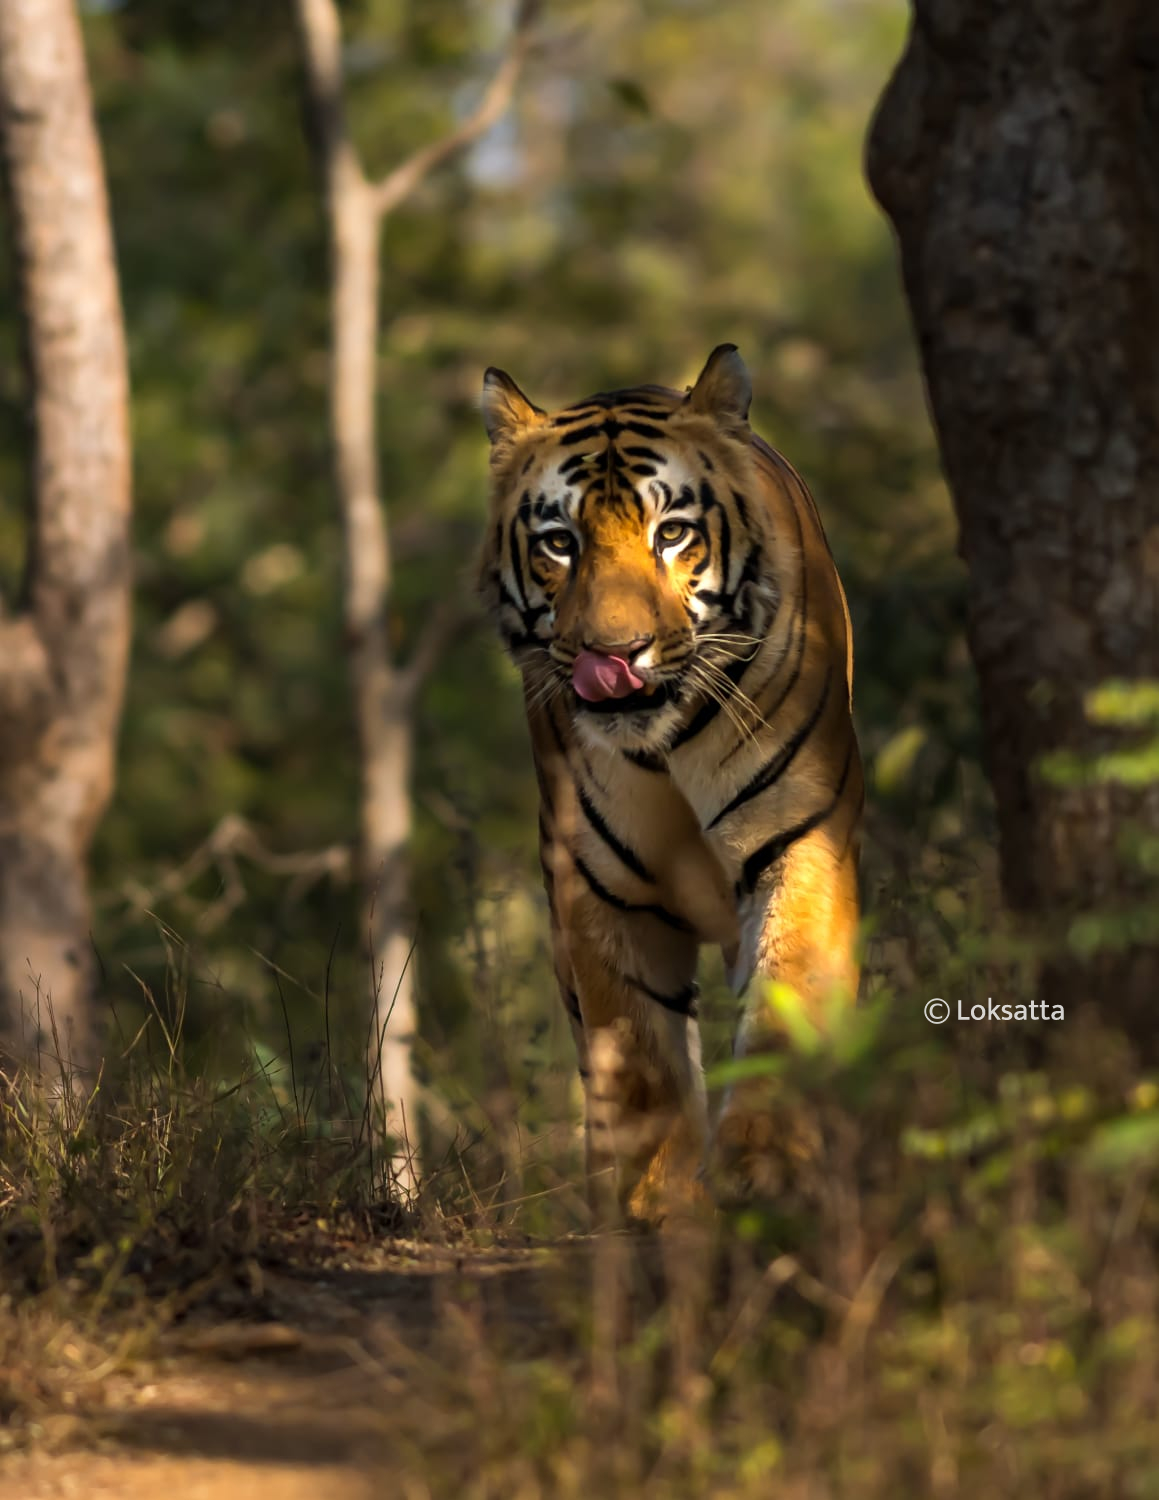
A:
800, 931
646, 1121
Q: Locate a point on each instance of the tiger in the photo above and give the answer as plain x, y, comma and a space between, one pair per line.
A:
661, 578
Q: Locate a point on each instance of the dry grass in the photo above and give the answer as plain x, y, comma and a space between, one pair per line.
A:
952, 1291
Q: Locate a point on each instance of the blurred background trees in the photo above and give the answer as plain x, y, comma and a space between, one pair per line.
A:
671, 176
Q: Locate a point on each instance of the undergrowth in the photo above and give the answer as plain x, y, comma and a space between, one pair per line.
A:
951, 1289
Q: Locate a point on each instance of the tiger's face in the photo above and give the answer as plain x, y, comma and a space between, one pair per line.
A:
625, 569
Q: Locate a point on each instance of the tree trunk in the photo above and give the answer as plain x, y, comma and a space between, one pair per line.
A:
383, 709
385, 688
382, 706
1016, 150
63, 652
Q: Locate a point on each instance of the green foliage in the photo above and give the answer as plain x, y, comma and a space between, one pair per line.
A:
669, 177
1122, 706
1127, 713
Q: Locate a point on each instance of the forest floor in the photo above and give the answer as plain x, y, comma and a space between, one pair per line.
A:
951, 1289
319, 1377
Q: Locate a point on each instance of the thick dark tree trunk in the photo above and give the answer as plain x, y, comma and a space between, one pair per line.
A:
1016, 150
63, 651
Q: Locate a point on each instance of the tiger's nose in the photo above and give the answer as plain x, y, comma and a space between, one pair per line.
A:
626, 650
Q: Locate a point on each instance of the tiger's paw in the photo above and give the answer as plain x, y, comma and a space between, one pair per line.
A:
760, 1149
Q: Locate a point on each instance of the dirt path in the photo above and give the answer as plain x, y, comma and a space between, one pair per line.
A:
370, 1366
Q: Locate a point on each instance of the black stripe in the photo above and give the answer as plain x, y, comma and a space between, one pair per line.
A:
508, 598
645, 760
546, 843
639, 451
589, 770
750, 569
655, 413
630, 496
771, 713
611, 899
768, 853
533, 614
641, 429
623, 853
725, 552
774, 769
683, 1003
800, 614
709, 710
571, 1003
556, 735
580, 435
516, 565
742, 509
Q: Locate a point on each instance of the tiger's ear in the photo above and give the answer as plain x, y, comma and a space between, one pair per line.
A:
506, 410
724, 390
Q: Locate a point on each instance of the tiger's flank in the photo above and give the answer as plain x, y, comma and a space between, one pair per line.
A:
661, 577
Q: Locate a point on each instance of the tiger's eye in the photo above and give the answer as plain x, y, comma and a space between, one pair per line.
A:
558, 543
668, 533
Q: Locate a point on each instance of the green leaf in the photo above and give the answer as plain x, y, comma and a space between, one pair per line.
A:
741, 1069
895, 761
1131, 1141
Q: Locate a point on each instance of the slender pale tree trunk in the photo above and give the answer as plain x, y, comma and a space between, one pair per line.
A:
64, 647
384, 688
1016, 150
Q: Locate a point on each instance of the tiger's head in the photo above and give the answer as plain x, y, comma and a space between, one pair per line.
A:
627, 559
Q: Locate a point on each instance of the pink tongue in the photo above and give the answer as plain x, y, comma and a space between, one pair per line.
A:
596, 677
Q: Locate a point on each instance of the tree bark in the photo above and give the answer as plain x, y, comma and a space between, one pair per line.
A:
63, 652
384, 688
1016, 150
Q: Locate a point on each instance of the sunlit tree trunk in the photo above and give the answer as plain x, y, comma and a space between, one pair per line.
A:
385, 689
63, 648
1016, 150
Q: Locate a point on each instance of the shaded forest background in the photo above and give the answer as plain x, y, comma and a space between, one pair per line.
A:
953, 1288
671, 176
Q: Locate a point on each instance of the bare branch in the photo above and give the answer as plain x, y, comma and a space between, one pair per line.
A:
398, 184
445, 623
231, 840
